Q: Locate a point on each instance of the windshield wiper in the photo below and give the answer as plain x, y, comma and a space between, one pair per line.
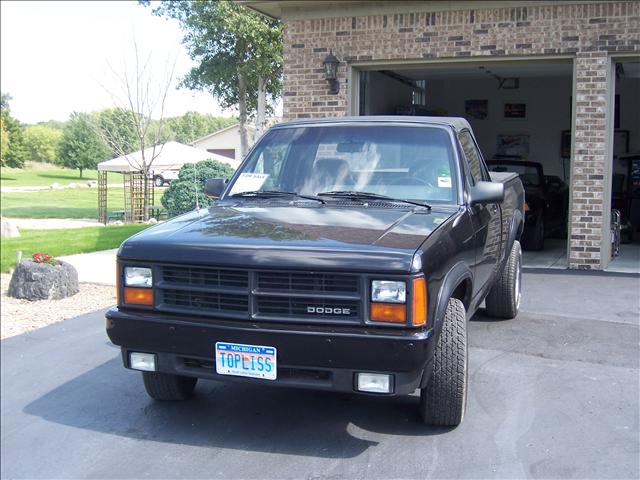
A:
351, 194
275, 193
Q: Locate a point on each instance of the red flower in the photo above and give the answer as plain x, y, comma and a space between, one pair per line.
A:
40, 257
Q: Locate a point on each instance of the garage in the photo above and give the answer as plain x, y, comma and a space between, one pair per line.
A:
521, 113
538, 80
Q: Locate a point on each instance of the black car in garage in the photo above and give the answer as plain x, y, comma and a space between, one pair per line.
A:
547, 200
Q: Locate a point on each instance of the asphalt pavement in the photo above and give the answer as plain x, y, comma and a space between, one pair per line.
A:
553, 393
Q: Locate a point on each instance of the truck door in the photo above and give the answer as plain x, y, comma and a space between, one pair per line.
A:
486, 219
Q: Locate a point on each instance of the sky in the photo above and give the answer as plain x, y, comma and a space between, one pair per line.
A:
56, 57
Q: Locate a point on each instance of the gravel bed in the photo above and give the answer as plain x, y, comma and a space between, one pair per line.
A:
19, 316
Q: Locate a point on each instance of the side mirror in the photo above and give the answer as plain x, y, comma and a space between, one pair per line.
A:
215, 186
486, 192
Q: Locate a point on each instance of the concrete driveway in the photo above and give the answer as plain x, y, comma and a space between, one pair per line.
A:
553, 393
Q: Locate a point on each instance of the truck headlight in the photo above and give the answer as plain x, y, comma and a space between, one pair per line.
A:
385, 291
138, 277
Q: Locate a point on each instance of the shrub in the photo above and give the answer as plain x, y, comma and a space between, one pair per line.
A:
180, 197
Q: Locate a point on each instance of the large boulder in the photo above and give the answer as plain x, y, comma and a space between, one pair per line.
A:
42, 281
8, 229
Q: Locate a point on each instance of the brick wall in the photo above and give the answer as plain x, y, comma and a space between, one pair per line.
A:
589, 32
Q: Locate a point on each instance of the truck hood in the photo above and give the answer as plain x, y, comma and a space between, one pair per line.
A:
324, 237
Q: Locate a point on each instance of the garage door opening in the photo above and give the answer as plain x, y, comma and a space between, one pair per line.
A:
521, 114
625, 185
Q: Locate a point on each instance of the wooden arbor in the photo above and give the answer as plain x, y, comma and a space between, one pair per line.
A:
134, 185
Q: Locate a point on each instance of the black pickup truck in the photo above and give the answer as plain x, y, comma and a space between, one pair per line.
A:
345, 254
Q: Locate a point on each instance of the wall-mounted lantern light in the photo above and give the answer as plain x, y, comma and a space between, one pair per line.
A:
330, 64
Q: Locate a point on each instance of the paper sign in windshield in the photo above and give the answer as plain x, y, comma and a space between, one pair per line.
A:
444, 182
248, 182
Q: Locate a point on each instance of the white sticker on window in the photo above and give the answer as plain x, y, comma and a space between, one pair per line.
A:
444, 182
248, 182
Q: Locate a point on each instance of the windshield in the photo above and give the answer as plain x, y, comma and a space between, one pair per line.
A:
396, 161
528, 173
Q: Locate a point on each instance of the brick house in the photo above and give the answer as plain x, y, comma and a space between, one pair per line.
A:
556, 82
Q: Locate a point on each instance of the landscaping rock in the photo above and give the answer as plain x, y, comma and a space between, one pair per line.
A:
41, 281
56, 186
152, 221
92, 183
72, 185
8, 229
116, 222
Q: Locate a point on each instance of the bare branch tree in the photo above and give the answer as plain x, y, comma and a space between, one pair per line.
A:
143, 96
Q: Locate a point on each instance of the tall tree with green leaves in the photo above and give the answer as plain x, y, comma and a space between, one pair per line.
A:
42, 142
14, 150
81, 147
4, 142
238, 54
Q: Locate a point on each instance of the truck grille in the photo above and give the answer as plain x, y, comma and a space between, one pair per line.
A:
298, 307
210, 277
318, 282
259, 295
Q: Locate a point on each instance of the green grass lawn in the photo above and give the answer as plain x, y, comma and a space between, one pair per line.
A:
66, 203
39, 174
64, 242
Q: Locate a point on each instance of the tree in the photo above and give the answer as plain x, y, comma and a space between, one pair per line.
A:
187, 191
117, 127
14, 151
239, 54
194, 125
81, 147
142, 94
42, 142
4, 142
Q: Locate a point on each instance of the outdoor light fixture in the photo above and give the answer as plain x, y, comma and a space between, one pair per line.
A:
330, 64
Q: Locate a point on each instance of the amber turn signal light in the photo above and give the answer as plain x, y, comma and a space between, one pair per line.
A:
419, 303
388, 312
138, 296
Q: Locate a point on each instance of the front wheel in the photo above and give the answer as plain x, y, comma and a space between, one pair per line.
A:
164, 386
158, 180
504, 297
443, 400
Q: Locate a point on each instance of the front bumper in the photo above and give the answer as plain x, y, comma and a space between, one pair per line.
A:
319, 357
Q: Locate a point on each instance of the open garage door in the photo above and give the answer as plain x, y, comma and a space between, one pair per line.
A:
521, 114
625, 184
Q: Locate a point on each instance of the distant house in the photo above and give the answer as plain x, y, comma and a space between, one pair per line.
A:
225, 142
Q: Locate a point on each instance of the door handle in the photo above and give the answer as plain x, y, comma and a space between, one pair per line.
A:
494, 208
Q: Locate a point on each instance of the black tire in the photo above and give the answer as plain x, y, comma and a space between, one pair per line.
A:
158, 180
503, 300
443, 400
536, 242
163, 386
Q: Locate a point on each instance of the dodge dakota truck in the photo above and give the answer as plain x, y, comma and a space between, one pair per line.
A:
345, 254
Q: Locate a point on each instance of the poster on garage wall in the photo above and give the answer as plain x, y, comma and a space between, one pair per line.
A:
477, 108
513, 145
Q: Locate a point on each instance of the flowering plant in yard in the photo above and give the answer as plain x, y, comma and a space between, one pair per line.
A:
39, 257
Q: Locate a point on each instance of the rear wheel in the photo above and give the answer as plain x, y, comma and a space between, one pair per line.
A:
163, 386
158, 180
443, 400
504, 297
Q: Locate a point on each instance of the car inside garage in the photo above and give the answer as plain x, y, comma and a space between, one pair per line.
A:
521, 114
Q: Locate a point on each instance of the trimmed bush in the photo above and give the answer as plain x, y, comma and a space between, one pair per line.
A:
180, 197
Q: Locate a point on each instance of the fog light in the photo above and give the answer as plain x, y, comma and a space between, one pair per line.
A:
374, 383
142, 361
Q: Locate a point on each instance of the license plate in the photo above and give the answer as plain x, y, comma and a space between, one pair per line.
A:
253, 361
